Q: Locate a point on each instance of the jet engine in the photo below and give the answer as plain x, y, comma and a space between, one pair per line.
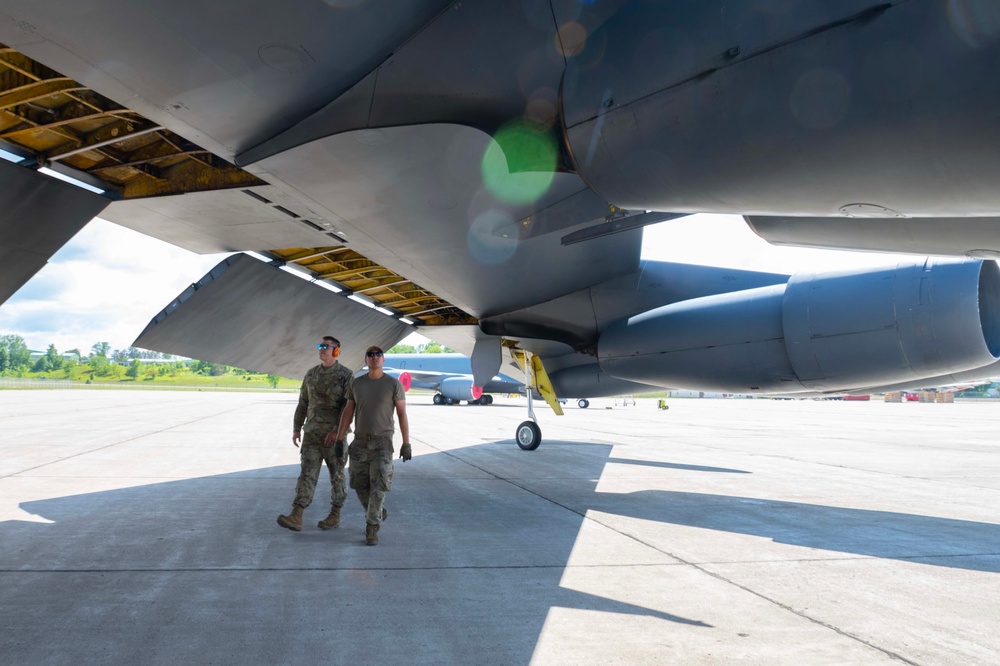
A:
589, 381
460, 388
406, 379
818, 332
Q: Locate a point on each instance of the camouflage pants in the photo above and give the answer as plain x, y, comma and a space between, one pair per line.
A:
312, 456
371, 473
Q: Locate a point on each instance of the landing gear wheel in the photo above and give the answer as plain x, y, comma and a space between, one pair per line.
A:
528, 436
489, 399
583, 403
438, 399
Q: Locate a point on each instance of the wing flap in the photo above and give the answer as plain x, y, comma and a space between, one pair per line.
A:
249, 314
38, 214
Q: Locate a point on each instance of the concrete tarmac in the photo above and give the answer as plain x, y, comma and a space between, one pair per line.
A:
138, 527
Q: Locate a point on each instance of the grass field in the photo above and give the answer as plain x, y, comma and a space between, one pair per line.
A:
151, 376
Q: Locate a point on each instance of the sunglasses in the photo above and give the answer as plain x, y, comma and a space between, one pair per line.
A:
371, 354
322, 345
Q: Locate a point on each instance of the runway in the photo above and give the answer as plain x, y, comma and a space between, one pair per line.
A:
139, 527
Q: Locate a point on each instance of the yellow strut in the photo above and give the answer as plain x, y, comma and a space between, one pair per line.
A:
540, 377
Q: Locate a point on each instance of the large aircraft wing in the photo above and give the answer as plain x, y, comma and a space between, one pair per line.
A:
490, 165
210, 320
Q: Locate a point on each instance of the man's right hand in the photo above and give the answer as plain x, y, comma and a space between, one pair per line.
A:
296, 436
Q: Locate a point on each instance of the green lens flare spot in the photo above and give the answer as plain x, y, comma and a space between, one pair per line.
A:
520, 163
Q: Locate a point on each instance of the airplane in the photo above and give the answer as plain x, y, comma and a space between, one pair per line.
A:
450, 375
481, 171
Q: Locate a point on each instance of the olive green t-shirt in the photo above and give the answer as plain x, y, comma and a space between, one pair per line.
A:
375, 404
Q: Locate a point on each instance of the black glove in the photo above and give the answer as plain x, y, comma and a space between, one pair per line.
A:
338, 448
405, 452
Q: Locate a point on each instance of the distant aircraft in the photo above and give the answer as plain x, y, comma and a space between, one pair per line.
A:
451, 376
482, 171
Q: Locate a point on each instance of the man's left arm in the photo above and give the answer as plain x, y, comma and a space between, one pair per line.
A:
300, 412
405, 451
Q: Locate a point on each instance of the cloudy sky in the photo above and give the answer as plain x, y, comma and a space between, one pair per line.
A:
103, 286
108, 281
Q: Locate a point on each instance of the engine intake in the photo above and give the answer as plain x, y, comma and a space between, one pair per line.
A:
461, 388
818, 332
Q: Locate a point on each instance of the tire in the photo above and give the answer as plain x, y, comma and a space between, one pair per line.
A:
489, 399
528, 436
583, 403
438, 399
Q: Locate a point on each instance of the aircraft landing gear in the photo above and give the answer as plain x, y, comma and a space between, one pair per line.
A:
484, 399
528, 436
583, 403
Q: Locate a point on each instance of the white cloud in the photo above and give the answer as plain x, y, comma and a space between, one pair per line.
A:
104, 285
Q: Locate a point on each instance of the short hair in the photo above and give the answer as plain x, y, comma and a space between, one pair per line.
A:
335, 341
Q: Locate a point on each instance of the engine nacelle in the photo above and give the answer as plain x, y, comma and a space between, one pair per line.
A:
589, 381
461, 388
818, 332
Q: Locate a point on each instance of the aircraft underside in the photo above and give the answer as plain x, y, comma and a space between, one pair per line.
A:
481, 171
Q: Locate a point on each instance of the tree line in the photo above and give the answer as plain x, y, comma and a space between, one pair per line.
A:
16, 357
429, 348
106, 364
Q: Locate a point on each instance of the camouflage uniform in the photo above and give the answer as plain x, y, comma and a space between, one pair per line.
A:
371, 451
322, 398
371, 473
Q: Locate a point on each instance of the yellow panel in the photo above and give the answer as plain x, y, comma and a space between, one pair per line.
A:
544, 386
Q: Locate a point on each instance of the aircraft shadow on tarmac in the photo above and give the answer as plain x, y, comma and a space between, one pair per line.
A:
489, 555
493, 525
929, 540
667, 465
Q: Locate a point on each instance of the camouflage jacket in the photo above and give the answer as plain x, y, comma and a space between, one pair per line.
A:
322, 397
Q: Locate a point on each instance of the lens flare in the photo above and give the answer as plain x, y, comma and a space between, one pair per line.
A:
520, 163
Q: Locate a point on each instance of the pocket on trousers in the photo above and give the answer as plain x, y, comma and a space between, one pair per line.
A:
385, 474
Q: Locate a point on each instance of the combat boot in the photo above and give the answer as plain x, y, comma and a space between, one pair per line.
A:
292, 521
331, 521
371, 535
